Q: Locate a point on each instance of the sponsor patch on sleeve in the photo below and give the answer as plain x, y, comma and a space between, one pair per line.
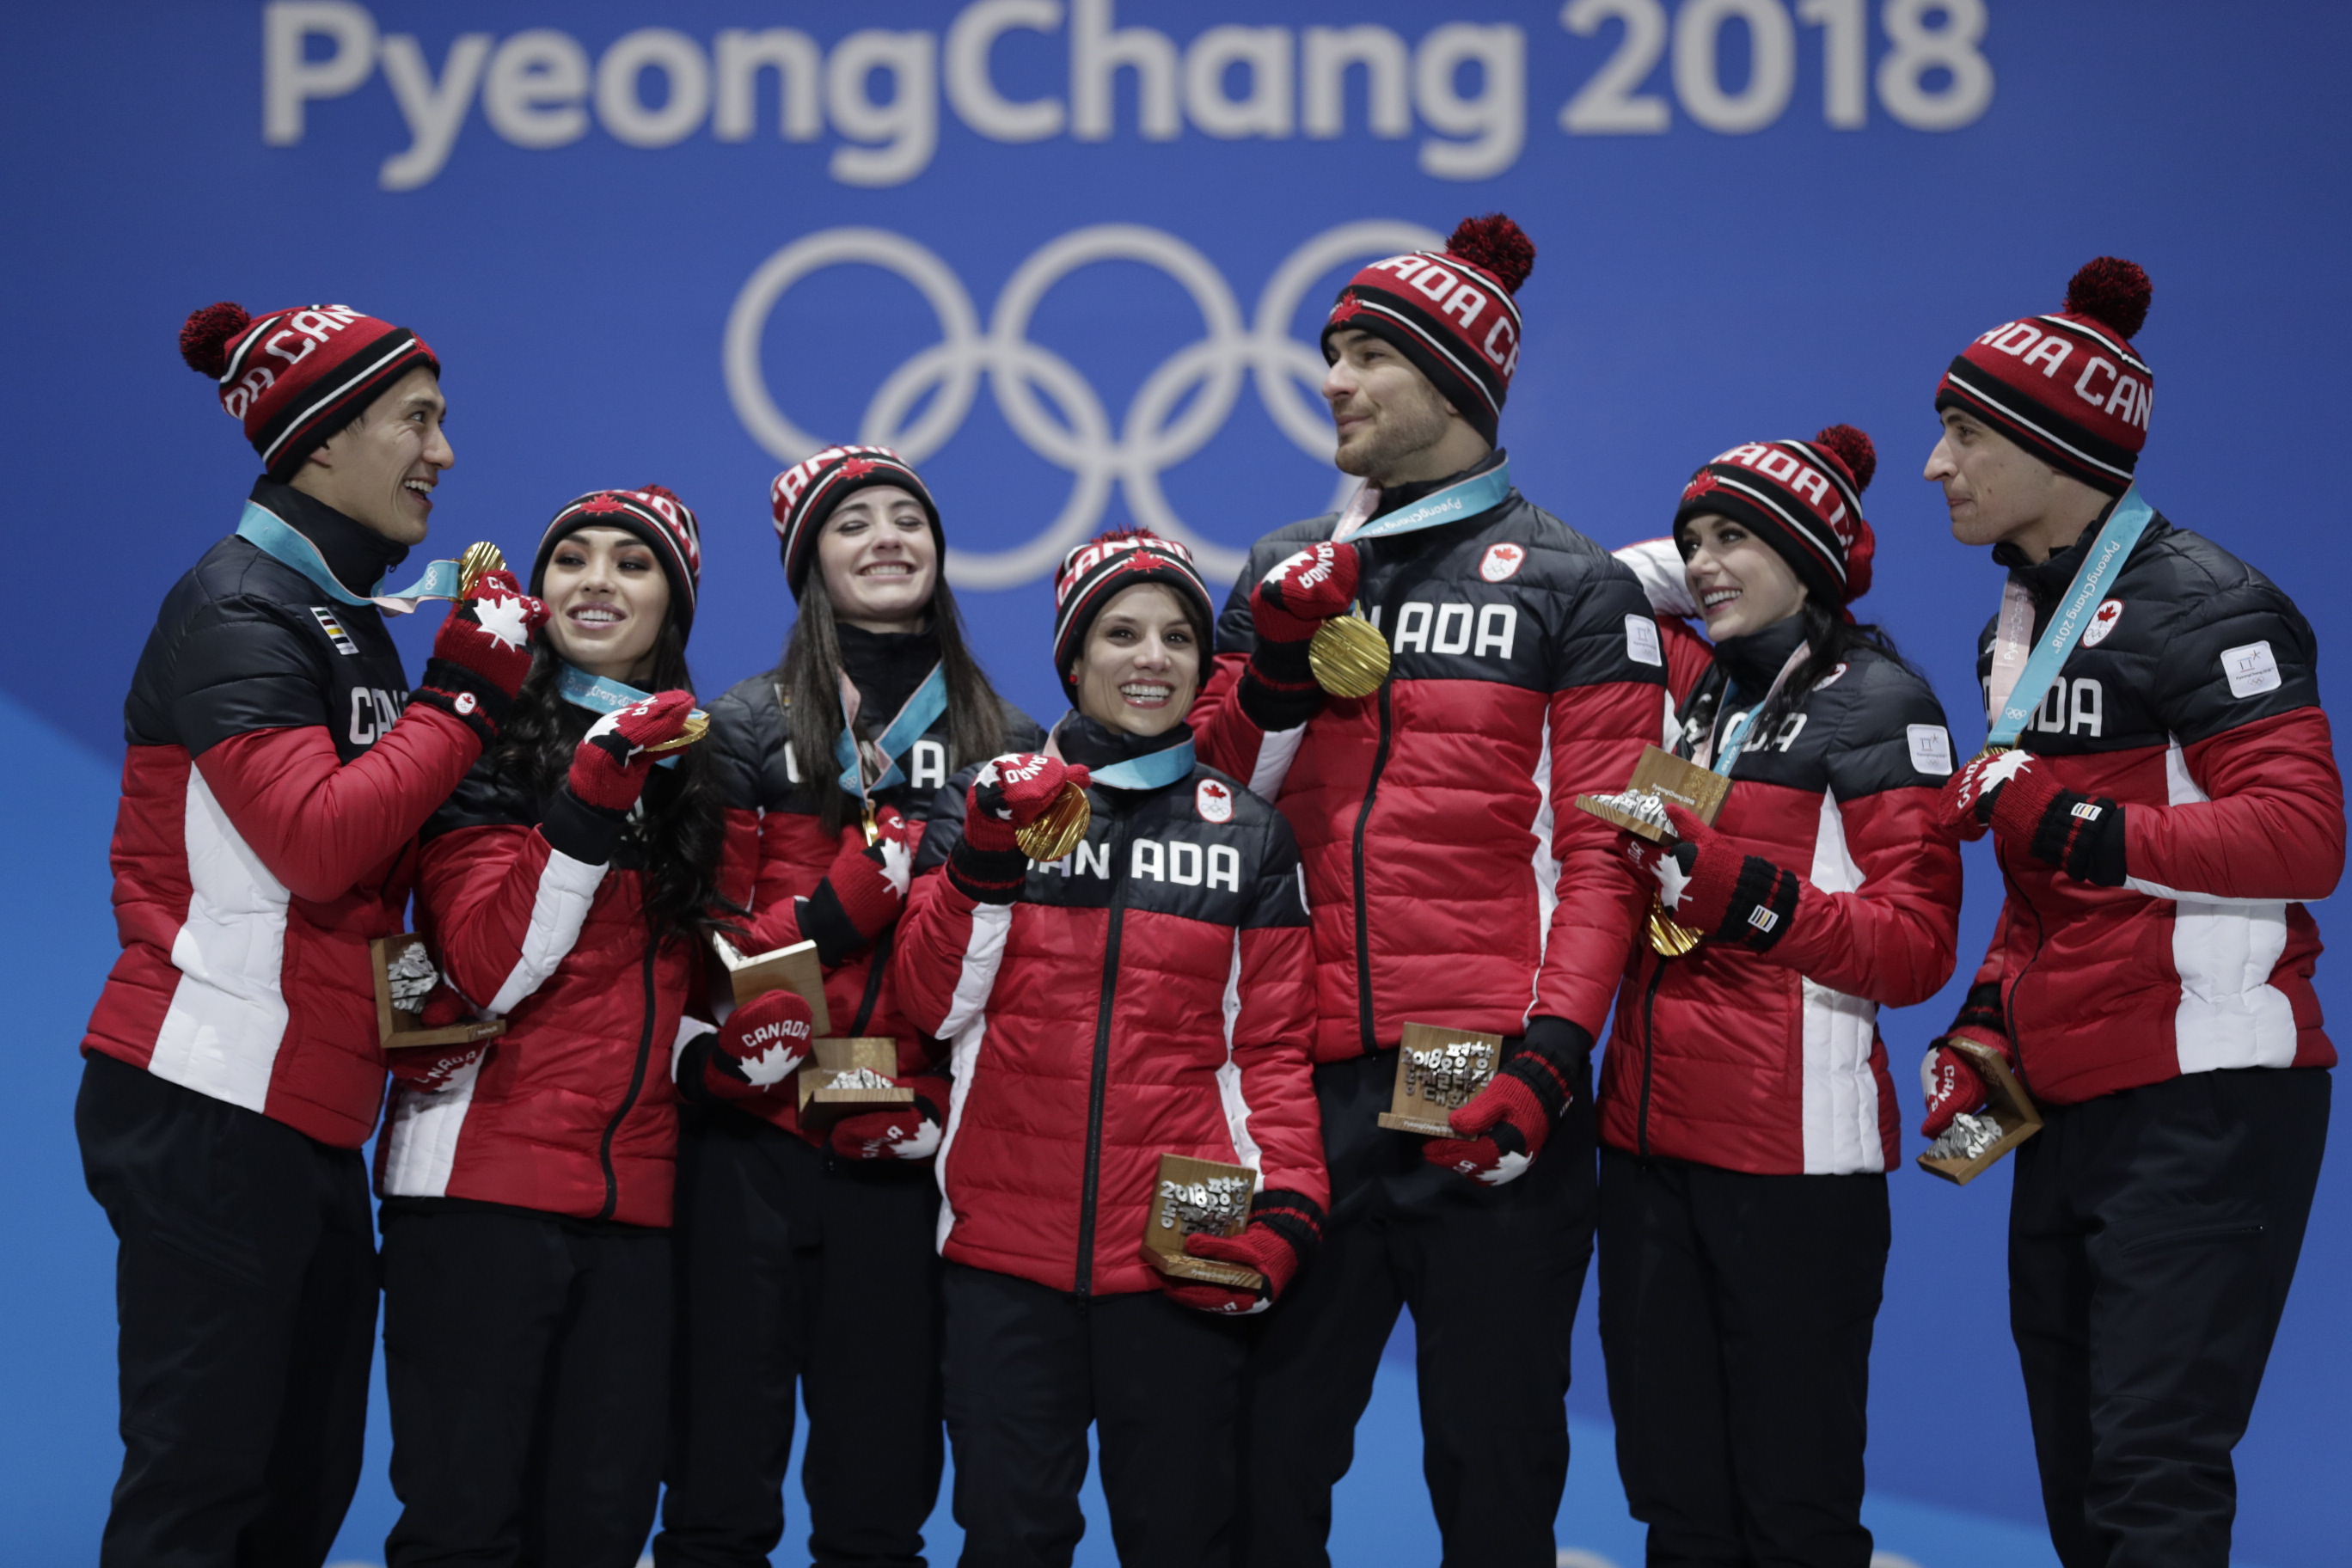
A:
2251, 670
1642, 641
334, 630
1931, 749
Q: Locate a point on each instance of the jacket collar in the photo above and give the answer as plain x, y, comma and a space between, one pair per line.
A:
1754, 660
357, 554
1092, 744
1405, 495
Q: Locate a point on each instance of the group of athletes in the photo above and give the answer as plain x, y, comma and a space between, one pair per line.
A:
616, 1250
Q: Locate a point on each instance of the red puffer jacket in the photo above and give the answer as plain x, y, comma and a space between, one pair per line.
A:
271, 795
1148, 993
2192, 702
778, 851
1769, 1061
571, 1110
1452, 879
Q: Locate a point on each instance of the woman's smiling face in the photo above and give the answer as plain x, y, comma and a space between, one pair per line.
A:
879, 560
606, 599
1742, 584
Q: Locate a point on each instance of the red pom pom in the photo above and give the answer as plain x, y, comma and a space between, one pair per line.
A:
1496, 244
1852, 447
2113, 292
204, 342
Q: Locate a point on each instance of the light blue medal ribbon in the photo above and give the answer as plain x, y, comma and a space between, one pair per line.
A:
1153, 770
603, 694
274, 537
913, 721
2099, 568
1727, 755
1481, 492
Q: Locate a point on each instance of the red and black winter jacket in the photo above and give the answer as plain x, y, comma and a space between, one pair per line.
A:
1147, 995
1452, 877
536, 912
271, 795
778, 850
1768, 1061
2192, 701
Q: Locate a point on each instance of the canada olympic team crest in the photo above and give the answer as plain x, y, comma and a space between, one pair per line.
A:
1181, 406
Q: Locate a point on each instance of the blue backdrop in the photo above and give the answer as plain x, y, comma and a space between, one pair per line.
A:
1070, 258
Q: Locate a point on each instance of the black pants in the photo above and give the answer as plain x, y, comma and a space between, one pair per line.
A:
2152, 1237
1493, 1275
796, 1268
1029, 1368
1736, 1316
527, 1361
244, 1284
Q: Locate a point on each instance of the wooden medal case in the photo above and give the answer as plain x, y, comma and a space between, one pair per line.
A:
1438, 1069
1201, 1196
1677, 782
794, 968
2006, 1102
829, 1058
399, 1030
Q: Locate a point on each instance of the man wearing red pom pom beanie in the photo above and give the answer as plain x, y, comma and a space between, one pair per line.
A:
2162, 797
277, 770
1451, 881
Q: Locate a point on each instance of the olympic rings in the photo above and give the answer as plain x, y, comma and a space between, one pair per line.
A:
1179, 407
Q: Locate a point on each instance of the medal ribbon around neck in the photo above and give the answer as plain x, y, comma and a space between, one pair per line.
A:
1723, 758
274, 537
2016, 699
919, 713
1153, 770
603, 694
1480, 492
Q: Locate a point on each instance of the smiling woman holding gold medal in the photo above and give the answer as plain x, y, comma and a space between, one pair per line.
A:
1748, 1118
807, 1255
1114, 945
526, 1185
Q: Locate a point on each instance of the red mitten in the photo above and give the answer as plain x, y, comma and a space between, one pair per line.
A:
1302, 592
1948, 1077
760, 1047
1502, 1130
900, 1133
1709, 885
610, 766
482, 653
1965, 808
1010, 792
862, 892
431, 1069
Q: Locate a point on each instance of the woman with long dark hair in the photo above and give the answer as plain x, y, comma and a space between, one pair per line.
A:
807, 1249
527, 1183
1746, 1117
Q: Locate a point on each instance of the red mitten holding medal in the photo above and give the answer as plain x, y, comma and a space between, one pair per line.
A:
893, 1132
1711, 886
1284, 1226
1291, 602
863, 890
1948, 1077
1006, 795
611, 764
760, 1047
482, 653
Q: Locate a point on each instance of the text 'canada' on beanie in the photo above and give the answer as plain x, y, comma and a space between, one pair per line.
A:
296, 376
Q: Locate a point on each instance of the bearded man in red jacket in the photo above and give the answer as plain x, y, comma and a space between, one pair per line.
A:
277, 770
1451, 880
2167, 800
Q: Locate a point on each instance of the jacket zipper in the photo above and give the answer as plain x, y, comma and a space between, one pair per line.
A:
1649, 1052
629, 1100
1363, 904
1097, 1086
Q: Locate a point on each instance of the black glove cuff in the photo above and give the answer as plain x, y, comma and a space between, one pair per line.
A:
466, 696
1983, 1010
1278, 687
1763, 901
1294, 1216
988, 876
1551, 1061
2083, 836
702, 1054
585, 833
827, 923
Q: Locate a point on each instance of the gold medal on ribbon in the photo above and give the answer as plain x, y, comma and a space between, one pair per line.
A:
1669, 937
479, 558
696, 726
1058, 828
872, 829
1348, 656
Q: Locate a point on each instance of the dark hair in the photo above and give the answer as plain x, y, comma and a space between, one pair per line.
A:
676, 835
809, 686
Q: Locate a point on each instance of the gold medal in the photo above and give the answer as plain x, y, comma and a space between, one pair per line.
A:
477, 559
1058, 828
696, 726
1348, 656
865, 821
1668, 938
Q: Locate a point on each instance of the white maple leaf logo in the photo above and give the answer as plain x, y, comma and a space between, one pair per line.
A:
502, 618
1673, 880
898, 866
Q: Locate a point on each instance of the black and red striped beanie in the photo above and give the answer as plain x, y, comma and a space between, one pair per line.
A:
296, 376
1801, 498
804, 495
1450, 312
1106, 566
666, 525
2069, 388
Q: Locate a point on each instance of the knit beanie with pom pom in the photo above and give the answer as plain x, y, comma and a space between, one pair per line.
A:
1801, 498
2069, 388
294, 378
1450, 312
